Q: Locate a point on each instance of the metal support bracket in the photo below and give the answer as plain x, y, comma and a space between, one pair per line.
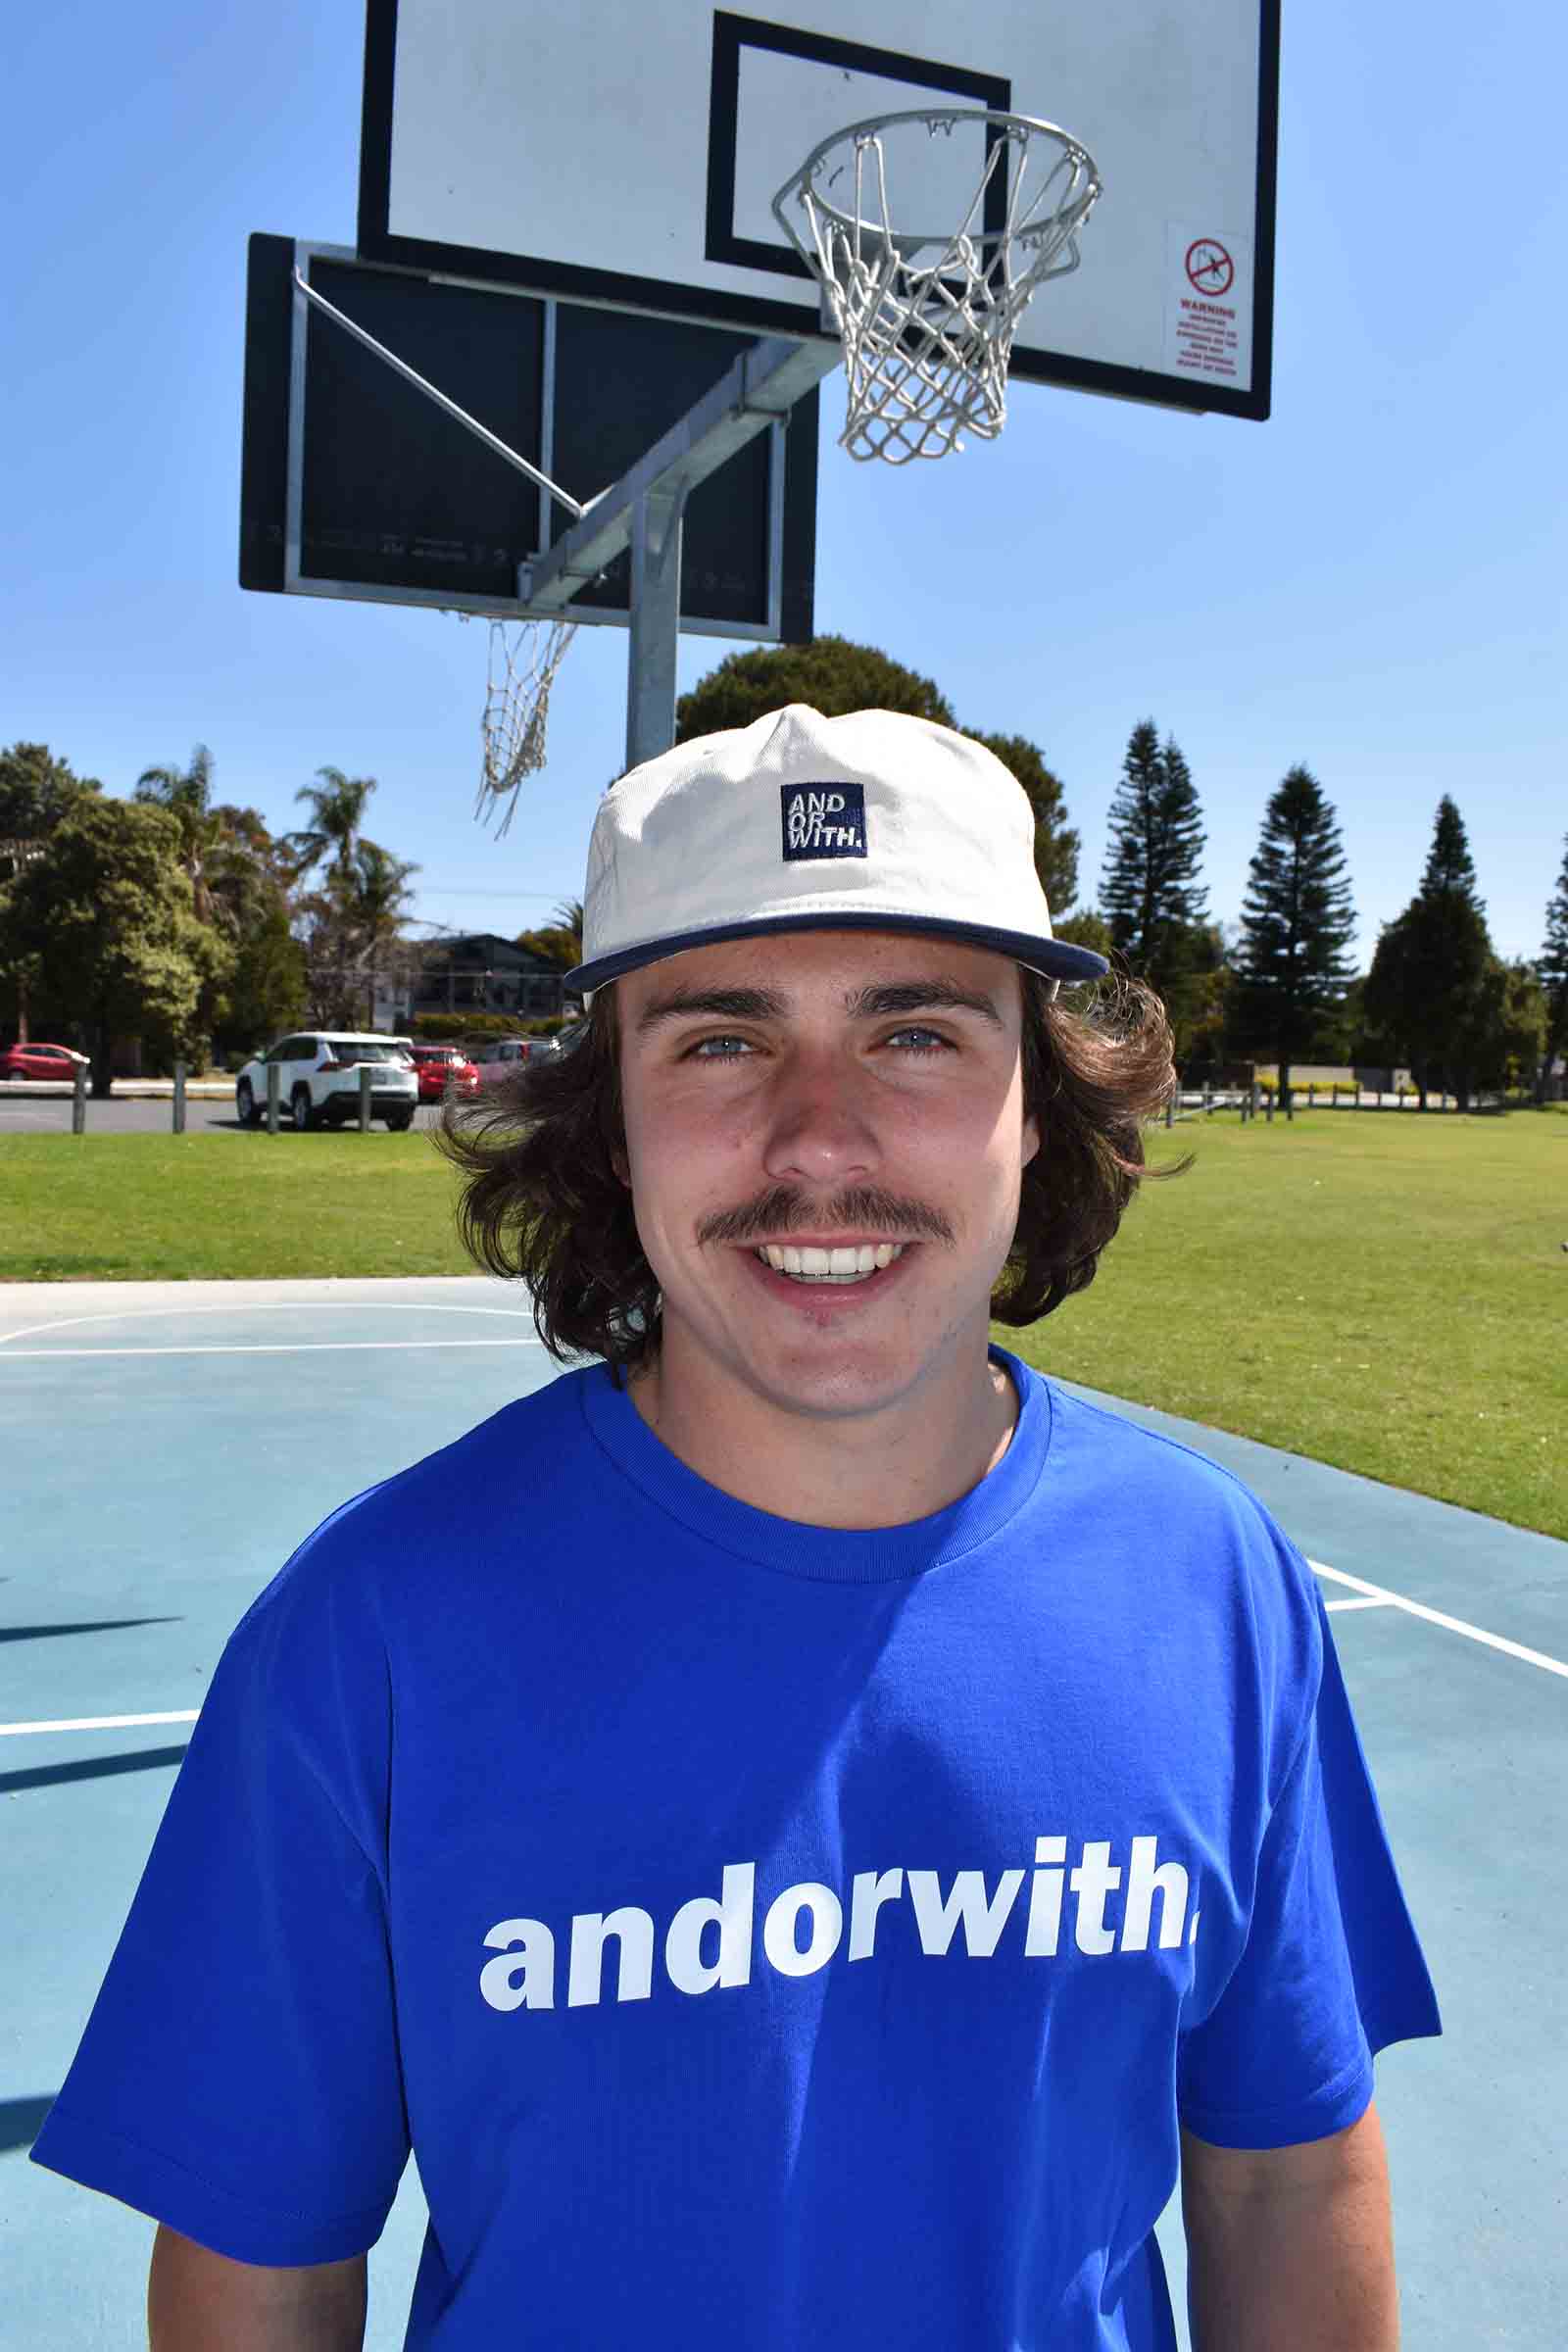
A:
656, 523
761, 387
447, 406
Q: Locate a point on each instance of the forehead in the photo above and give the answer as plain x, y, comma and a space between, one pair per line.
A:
814, 970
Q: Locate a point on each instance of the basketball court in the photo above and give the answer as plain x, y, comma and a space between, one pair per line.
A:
170, 1443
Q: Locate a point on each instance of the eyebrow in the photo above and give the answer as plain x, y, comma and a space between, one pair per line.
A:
875, 1003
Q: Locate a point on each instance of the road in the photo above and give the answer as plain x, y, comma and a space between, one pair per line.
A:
24, 1112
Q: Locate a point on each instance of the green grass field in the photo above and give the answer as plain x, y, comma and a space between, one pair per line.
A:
1387, 1294
224, 1208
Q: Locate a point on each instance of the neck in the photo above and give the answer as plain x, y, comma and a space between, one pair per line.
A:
882, 1467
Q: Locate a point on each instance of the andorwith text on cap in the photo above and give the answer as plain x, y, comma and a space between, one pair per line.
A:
823, 820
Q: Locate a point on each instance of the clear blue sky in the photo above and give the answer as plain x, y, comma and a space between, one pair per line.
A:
1370, 583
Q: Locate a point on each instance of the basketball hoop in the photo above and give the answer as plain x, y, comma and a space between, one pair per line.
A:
927, 316
523, 658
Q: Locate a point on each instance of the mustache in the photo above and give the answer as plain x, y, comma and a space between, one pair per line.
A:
784, 1209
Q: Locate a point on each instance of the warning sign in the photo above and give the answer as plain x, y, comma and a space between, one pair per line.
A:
1208, 305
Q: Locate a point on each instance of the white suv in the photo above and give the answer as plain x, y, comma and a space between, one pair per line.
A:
318, 1079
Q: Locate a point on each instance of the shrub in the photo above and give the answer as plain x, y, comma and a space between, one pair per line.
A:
446, 1028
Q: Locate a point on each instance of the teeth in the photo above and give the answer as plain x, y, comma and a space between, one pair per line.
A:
830, 1265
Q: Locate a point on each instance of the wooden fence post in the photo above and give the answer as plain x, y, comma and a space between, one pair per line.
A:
180, 1098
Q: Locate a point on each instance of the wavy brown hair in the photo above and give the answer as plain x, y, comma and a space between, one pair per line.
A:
543, 1201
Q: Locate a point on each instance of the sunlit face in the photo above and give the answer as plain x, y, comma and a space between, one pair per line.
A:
825, 1134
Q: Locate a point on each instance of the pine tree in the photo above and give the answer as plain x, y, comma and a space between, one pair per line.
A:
1552, 966
1430, 971
1151, 895
1291, 968
1450, 866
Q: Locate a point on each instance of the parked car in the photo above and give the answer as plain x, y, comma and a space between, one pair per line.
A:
443, 1070
41, 1062
504, 1056
318, 1079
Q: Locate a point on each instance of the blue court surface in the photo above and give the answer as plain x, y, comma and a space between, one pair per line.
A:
168, 1445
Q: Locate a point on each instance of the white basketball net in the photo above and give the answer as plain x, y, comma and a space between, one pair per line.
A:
525, 657
927, 318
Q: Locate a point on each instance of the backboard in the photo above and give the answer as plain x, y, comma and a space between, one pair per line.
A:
623, 153
353, 484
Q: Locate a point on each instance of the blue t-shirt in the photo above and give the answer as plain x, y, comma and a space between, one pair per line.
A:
763, 1935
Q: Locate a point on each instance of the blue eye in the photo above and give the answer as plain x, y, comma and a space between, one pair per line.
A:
919, 1041
719, 1049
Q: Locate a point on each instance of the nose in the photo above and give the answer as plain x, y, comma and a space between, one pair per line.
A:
820, 1128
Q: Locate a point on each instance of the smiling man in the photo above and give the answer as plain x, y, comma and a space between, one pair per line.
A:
806, 1829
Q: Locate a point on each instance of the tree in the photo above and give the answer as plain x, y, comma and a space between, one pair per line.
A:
1086, 929
1430, 971
231, 884
1292, 967
1450, 866
267, 991
106, 915
835, 677
560, 942
1551, 965
1055, 841
833, 674
1151, 895
36, 790
353, 934
337, 812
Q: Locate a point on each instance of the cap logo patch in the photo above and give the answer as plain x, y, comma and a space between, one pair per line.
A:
823, 820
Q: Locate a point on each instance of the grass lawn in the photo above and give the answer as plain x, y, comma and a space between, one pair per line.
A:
1385, 1292
1388, 1294
216, 1208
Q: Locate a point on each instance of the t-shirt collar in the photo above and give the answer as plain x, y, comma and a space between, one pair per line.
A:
826, 1554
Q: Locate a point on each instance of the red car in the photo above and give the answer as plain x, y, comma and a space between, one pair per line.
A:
41, 1062
440, 1068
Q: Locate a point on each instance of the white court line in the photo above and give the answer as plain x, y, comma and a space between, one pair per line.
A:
100, 1723
268, 1306
1364, 1603
26, 1355
1452, 1625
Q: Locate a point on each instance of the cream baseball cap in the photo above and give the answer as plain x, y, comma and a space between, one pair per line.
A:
873, 821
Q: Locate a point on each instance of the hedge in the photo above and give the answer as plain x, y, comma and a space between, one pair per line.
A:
450, 1028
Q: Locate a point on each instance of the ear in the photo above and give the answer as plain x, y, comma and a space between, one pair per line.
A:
1031, 1139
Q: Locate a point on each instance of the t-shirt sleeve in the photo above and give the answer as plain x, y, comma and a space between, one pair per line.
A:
239, 2075
1331, 1971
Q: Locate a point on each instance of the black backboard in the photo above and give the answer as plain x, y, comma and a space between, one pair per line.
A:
356, 485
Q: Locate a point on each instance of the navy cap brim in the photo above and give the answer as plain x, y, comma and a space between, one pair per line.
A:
1053, 958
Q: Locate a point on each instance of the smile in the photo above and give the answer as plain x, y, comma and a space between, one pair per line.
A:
830, 1265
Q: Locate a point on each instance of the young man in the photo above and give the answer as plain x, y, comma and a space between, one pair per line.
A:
802, 1826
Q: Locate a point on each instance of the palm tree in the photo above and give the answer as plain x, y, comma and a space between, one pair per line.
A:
337, 812
207, 842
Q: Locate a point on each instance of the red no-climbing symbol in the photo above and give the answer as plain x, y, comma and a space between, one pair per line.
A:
1209, 267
